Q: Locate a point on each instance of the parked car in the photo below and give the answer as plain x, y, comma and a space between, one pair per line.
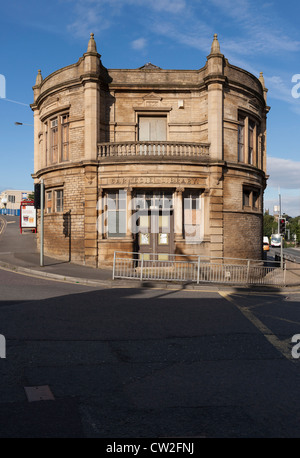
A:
266, 245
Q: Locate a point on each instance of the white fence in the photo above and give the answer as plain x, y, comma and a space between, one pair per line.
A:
198, 269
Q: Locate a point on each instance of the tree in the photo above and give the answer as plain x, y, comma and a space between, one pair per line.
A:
294, 226
270, 225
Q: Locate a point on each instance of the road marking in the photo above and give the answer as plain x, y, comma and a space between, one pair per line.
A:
281, 346
3, 224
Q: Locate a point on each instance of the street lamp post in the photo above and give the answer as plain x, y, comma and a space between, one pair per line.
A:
281, 236
22, 124
42, 226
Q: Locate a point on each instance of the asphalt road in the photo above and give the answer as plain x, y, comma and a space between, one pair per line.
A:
134, 363
290, 253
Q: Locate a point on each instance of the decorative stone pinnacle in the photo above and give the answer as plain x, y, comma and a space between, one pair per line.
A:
39, 78
215, 48
92, 44
261, 79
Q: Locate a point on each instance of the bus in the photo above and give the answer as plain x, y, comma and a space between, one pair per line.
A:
276, 240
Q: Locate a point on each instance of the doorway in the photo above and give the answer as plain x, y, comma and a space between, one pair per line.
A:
155, 224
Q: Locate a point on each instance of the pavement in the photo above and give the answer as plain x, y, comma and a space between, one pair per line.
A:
19, 253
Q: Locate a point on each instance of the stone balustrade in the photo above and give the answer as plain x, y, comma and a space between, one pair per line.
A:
151, 148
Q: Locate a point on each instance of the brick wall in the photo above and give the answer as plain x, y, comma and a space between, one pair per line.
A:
243, 235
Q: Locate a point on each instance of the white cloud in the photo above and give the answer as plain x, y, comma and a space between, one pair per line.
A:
89, 17
289, 204
98, 15
172, 6
139, 44
284, 173
261, 33
190, 23
284, 180
196, 35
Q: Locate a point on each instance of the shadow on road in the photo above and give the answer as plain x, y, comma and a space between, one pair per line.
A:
146, 363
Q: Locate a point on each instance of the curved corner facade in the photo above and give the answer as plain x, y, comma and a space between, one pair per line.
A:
150, 160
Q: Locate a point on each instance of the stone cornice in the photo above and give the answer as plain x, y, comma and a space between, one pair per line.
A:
64, 166
214, 78
54, 89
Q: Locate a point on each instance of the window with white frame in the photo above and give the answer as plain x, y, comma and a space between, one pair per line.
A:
59, 200
116, 213
159, 200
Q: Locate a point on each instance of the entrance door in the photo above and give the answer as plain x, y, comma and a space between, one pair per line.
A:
156, 234
155, 223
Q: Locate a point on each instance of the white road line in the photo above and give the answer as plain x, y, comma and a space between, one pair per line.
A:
281, 346
3, 224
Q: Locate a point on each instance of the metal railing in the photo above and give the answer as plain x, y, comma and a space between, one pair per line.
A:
198, 269
160, 148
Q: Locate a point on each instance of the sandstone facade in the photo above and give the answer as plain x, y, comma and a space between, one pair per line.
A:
182, 153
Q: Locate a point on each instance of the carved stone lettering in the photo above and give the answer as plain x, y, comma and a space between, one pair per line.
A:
176, 181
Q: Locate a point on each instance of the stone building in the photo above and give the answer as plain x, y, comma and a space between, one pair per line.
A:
10, 201
151, 160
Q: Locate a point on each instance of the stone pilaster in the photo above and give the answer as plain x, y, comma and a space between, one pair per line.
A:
178, 215
90, 216
91, 137
216, 197
91, 100
215, 81
129, 211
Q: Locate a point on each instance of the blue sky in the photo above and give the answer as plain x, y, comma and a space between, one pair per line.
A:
177, 34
